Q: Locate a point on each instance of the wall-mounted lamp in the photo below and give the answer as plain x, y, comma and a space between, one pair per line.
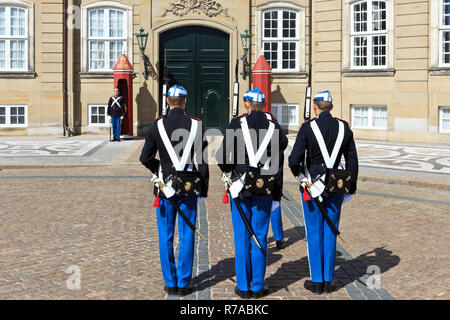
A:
245, 38
142, 42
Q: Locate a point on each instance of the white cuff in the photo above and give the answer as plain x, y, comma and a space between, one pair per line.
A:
275, 205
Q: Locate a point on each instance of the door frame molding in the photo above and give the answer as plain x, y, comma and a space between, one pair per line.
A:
199, 22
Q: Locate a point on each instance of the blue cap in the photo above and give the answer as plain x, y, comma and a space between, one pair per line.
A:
256, 95
323, 96
177, 91
246, 95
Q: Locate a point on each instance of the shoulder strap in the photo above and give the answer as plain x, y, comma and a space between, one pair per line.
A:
252, 157
116, 101
178, 164
329, 161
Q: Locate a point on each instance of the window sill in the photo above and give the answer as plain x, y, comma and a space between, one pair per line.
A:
289, 75
96, 75
18, 75
104, 125
99, 75
439, 71
369, 129
388, 72
13, 127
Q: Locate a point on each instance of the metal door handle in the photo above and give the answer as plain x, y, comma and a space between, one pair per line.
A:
202, 111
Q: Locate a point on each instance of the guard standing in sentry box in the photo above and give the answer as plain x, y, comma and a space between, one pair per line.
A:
250, 151
116, 110
275, 216
324, 185
184, 185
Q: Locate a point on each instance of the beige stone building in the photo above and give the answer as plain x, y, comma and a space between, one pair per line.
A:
386, 63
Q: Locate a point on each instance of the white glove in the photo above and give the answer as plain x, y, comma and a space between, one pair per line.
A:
155, 179
275, 205
200, 199
225, 179
347, 197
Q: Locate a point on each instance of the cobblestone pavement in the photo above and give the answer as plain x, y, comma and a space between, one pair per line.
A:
100, 221
34, 152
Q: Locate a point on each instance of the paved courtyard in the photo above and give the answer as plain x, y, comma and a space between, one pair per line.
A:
63, 222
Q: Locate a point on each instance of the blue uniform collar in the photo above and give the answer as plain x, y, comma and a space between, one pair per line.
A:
176, 111
256, 112
324, 114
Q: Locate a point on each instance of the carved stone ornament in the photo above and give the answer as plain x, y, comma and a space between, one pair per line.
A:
206, 7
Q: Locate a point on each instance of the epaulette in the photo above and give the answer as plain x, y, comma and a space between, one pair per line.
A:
242, 115
195, 118
159, 117
340, 119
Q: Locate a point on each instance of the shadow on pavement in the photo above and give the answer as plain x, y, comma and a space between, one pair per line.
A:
225, 269
348, 270
354, 269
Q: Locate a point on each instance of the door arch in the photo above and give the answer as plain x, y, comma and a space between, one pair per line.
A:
197, 58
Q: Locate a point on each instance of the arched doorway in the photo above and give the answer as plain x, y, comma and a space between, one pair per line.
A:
198, 59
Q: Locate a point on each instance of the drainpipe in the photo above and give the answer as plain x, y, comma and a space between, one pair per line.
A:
250, 76
310, 32
64, 84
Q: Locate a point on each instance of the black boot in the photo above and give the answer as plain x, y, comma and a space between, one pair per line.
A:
280, 244
328, 287
171, 290
261, 293
314, 287
185, 291
242, 294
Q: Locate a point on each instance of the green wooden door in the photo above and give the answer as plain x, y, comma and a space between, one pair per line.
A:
198, 59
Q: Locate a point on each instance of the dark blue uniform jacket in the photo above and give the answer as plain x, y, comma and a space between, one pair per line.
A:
232, 154
175, 119
114, 110
306, 141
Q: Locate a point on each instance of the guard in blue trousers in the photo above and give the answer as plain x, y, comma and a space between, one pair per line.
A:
116, 110
324, 139
177, 129
251, 152
275, 215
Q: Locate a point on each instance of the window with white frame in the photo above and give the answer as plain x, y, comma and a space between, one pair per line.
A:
369, 35
444, 119
107, 37
280, 39
369, 117
13, 116
444, 33
286, 114
97, 115
13, 38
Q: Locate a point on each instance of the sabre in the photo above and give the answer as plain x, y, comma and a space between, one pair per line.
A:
169, 197
307, 185
227, 182
286, 198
